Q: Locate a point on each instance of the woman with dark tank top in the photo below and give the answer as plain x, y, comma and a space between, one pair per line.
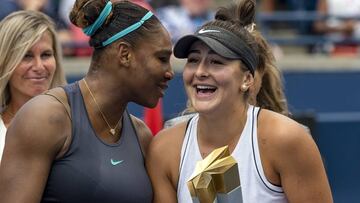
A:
78, 144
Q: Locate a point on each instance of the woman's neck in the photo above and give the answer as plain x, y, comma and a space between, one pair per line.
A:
215, 131
107, 94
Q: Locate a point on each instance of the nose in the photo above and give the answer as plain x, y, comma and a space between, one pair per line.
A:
169, 73
201, 70
38, 64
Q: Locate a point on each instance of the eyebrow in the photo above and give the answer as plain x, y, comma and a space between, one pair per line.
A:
194, 51
165, 52
49, 50
198, 51
45, 50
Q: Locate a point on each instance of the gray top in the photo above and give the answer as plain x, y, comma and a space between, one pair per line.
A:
94, 171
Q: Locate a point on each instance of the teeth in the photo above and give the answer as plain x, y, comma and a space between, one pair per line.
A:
204, 87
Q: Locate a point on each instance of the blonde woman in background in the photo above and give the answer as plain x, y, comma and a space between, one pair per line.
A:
30, 62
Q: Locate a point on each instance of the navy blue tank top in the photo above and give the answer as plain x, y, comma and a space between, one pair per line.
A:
93, 171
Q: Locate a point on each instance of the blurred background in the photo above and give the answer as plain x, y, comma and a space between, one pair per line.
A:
316, 44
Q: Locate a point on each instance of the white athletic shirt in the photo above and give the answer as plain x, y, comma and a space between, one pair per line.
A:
255, 187
2, 136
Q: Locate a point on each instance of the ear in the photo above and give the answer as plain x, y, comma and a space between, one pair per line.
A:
248, 81
124, 53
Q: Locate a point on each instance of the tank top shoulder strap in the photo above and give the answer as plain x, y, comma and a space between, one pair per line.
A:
60, 98
129, 132
256, 154
188, 133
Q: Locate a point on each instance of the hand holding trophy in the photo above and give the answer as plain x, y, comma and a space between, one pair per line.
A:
216, 179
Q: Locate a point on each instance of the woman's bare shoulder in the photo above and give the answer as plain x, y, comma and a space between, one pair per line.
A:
279, 126
41, 117
143, 132
291, 152
283, 136
167, 143
173, 136
42, 110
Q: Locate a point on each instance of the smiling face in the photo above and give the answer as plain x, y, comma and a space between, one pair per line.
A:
36, 70
152, 69
212, 82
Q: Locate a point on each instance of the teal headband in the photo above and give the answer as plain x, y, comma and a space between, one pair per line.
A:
90, 30
128, 30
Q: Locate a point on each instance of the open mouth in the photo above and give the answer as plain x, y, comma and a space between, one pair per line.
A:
162, 88
205, 89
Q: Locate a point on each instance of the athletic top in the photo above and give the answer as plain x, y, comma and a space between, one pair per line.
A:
254, 185
2, 136
93, 171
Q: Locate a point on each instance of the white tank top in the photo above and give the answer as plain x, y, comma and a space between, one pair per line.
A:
255, 186
2, 137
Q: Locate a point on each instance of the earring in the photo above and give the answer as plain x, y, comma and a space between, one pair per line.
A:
244, 88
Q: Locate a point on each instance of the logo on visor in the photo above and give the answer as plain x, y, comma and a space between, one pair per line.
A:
202, 31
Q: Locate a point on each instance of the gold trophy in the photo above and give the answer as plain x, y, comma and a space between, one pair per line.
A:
216, 179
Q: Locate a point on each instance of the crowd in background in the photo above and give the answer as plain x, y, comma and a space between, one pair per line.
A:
336, 21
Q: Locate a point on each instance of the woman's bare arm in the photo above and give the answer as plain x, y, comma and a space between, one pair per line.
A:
34, 139
297, 161
163, 163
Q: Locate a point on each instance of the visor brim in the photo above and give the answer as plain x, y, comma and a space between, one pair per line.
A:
183, 45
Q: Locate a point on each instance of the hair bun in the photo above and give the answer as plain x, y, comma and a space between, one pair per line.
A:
246, 12
85, 12
242, 12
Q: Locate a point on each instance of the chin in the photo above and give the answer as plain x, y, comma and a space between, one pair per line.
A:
205, 106
151, 103
202, 108
37, 92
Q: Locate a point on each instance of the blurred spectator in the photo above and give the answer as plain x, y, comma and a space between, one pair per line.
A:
30, 62
162, 3
48, 7
65, 7
289, 16
186, 17
144, 4
77, 44
285, 5
341, 23
304, 27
